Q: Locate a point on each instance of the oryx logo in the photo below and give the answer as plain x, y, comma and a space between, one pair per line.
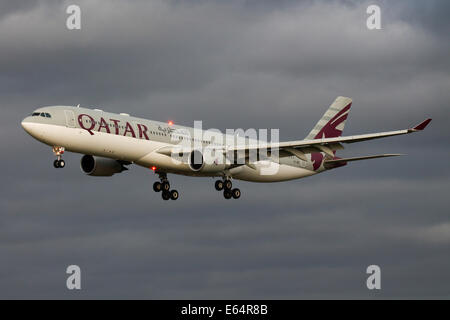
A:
332, 129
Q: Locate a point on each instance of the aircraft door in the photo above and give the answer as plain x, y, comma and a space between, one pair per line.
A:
70, 118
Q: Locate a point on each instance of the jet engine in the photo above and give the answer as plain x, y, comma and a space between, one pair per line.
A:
100, 167
208, 162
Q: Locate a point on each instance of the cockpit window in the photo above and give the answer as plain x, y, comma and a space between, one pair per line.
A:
42, 114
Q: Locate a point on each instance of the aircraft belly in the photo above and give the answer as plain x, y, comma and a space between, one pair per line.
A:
284, 173
161, 161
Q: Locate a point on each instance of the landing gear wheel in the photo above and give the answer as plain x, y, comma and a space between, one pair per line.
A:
166, 195
165, 186
227, 184
157, 187
219, 185
227, 194
174, 194
236, 193
58, 152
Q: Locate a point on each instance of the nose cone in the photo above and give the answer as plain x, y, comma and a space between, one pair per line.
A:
33, 128
26, 124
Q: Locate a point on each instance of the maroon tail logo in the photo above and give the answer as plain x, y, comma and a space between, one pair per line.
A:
329, 130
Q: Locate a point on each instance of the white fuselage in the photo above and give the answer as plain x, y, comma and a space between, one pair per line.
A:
137, 140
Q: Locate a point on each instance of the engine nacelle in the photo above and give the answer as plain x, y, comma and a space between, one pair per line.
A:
100, 167
208, 162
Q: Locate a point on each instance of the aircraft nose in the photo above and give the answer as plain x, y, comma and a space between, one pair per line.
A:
33, 128
26, 124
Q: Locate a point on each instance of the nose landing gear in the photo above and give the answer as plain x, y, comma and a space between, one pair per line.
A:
226, 185
58, 163
164, 187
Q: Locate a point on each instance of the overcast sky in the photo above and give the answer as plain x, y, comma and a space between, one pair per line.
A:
232, 64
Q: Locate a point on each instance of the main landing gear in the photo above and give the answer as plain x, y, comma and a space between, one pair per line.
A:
164, 188
58, 163
226, 185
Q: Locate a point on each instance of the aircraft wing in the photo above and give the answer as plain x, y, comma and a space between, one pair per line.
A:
301, 147
327, 145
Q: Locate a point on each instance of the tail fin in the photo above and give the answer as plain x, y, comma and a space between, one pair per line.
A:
333, 121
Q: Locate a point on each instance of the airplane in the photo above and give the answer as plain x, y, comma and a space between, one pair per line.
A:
110, 142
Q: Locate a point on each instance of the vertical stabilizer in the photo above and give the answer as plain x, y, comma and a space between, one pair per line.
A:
333, 121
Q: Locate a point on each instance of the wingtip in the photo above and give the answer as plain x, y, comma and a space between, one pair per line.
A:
422, 125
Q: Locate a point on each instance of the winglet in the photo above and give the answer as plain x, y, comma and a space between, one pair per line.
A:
422, 125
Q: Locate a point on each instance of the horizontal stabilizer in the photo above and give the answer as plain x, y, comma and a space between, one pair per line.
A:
363, 158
